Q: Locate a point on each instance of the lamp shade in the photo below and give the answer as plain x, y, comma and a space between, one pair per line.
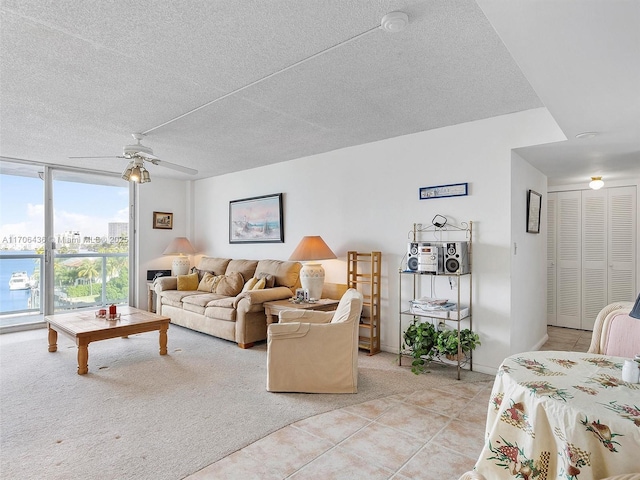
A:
310, 250
180, 246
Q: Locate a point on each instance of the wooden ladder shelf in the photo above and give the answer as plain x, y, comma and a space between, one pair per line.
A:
363, 274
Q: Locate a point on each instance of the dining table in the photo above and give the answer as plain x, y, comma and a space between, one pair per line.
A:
561, 415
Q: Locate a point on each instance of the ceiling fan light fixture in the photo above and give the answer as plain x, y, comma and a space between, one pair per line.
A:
596, 183
126, 175
145, 176
135, 172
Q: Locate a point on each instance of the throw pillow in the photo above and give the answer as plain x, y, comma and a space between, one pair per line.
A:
250, 284
270, 280
201, 272
230, 285
208, 282
259, 284
188, 282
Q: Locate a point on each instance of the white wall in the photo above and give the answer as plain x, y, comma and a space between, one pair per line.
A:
160, 195
528, 260
366, 198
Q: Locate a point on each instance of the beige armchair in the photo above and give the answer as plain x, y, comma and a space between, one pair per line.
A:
315, 352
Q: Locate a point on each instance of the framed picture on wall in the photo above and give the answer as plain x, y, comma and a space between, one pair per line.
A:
256, 220
163, 220
534, 204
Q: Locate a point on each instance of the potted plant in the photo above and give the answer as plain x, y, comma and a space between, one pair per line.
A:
447, 343
420, 339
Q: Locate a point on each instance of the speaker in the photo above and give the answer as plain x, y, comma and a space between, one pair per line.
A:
412, 256
456, 257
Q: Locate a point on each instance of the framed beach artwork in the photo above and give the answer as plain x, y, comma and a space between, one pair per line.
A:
256, 220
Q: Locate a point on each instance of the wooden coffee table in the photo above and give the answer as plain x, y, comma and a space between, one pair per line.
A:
272, 309
85, 327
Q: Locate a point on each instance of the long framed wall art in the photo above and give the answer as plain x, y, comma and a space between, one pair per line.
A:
256, 220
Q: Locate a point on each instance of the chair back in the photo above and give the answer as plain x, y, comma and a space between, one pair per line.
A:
621, 336
349, 308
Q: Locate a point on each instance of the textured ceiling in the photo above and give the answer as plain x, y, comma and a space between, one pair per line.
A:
77, 78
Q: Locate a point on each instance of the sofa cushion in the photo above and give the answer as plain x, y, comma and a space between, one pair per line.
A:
246, 267
213, 264
287, 273
201, 299
230, 285
260, 284
188, 282
221, 313
174, 297
222, 301
208, 282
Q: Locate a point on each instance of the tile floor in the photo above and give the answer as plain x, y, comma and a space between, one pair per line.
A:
427, 435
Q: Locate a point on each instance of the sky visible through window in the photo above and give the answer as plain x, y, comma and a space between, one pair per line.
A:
78, 207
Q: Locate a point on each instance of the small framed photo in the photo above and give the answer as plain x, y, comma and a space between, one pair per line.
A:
534, 204
163, 220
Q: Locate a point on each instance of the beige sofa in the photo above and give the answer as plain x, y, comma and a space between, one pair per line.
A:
239, 318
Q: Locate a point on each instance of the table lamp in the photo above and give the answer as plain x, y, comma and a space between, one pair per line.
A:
182, 247
310, 250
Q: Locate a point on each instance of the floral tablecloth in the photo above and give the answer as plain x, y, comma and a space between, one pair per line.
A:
561, 415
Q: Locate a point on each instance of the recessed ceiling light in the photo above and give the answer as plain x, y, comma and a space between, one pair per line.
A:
587, 135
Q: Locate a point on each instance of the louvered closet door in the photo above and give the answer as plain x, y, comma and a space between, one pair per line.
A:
594, 255
552, 199
569, 260
622, 244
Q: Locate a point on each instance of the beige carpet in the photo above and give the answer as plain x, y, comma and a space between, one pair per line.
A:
138, 415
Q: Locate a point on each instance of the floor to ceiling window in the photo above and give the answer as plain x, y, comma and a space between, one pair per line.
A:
81, 260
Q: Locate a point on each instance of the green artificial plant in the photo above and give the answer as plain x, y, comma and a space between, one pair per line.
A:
420, 339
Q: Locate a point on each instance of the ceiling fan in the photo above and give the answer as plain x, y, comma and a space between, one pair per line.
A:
138, 154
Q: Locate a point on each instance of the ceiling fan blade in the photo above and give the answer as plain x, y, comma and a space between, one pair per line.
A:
110, 156
173, 166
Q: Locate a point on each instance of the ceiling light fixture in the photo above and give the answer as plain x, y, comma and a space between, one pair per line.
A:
135, 172
596, 183
392, 22
584, 135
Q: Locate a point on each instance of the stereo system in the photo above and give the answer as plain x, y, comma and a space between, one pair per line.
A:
438, 257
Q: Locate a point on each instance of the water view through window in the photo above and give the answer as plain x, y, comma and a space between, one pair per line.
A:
90, 243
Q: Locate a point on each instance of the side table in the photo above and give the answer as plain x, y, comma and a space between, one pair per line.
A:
272, 309
150, 304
